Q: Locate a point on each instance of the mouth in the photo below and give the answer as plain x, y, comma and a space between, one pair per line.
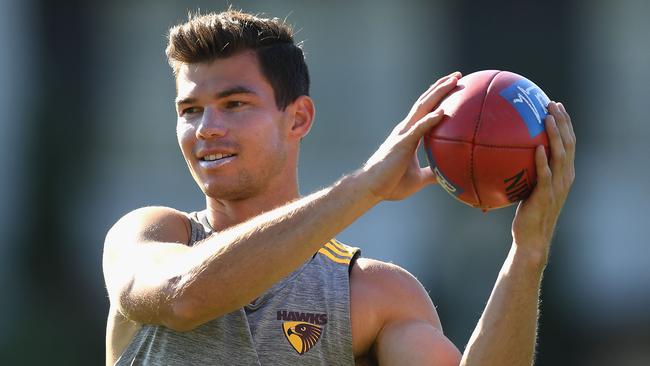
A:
212, 161
216, 157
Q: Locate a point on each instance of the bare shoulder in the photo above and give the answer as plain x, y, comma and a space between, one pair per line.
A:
153, 223
393, 318
390, 291
137, 241
381, 293
146, 235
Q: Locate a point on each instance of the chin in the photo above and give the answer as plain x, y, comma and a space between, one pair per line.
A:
234, 192
235, 187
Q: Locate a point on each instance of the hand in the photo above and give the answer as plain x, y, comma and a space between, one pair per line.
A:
394, 171
537, 216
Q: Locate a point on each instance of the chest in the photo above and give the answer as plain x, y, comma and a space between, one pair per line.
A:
304, 319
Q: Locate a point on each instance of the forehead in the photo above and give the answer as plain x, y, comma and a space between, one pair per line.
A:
241, 69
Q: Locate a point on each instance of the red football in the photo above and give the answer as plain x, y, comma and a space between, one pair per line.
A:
483, 151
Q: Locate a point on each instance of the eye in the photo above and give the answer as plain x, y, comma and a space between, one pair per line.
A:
234, 104
191, 110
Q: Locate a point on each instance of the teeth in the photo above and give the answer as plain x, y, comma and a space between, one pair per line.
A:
214, 157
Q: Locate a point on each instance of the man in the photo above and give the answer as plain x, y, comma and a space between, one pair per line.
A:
257, 278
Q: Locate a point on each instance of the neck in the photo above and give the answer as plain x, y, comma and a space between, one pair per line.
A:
223, 214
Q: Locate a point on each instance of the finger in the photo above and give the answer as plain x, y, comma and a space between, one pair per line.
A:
432, 99
558, 154
562, 121
544, 174
570, 138
456, 74
420, 127
563, 109
436, 84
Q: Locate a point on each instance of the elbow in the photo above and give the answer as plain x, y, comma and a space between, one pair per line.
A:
180, 325
185, 314
182, 316
175, 306
180, 310
169, 314
161, 306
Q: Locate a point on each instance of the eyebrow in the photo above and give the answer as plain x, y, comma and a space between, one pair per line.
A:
222, 94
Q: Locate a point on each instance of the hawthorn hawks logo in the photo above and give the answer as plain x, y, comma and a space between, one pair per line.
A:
302, 330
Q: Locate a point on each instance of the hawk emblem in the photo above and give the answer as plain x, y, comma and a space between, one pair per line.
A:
302, 336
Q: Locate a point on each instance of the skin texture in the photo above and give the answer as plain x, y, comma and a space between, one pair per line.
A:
252, 199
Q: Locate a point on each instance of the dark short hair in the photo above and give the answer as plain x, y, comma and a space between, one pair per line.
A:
205, 38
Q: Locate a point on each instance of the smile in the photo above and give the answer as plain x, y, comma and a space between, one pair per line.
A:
213, 161
215, 157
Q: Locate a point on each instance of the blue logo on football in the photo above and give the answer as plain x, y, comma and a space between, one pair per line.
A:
530, 101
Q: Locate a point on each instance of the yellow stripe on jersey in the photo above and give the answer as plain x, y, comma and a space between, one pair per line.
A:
334, 258
337, 250
341, 246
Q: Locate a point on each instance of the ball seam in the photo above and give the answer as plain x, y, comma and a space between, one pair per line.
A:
476, 128
484, 145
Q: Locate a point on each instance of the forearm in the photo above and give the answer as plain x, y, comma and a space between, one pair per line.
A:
507, 331
235, 266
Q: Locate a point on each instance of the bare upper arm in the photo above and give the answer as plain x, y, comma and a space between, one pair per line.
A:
393, 318
135, 249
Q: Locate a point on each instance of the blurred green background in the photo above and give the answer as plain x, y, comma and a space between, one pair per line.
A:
87, 133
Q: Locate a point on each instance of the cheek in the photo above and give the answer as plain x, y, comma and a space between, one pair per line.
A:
185, 136
270, 142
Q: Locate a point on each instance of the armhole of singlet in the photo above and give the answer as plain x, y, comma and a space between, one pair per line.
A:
356, 256
196, 227
188, 226
203, 220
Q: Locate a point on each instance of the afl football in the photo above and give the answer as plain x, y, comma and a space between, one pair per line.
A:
483, 151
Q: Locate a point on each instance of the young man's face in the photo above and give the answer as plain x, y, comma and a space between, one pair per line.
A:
229, 128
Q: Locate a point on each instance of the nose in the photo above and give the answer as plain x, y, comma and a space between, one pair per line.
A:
211, 125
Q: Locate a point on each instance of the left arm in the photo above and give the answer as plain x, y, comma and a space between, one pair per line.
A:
506, 334
410, 331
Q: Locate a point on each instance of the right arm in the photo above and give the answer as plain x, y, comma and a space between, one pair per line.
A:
153, 277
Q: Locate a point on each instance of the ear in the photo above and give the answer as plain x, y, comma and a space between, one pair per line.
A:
303, 116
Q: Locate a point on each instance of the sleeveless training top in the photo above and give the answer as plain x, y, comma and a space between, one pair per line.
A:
304, 319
